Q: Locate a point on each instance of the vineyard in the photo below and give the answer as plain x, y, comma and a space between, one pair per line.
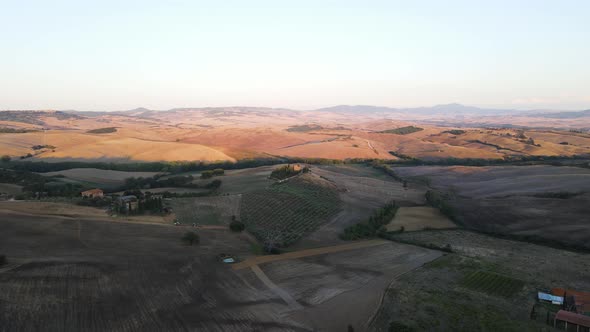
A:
493, 284
283, 213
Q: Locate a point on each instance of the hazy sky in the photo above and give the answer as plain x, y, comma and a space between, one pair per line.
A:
115, 55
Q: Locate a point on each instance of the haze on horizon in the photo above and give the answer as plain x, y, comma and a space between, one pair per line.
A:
113, 55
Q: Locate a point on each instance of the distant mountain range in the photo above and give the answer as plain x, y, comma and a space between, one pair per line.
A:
451, 110
446, 109
563, 115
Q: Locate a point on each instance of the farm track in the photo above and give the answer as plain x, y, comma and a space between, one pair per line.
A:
306, 253
107, 219
293, 304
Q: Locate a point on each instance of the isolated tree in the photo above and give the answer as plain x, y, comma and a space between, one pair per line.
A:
237, 226
190, 238
5, 158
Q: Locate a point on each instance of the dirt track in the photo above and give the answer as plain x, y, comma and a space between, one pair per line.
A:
306, 253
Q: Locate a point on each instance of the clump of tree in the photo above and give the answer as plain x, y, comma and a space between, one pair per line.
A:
304, 128
288, 171
387, 170
105, 130
190, 238
41, 147
454, 132
215, 184
5, 130
440, 201
157, 182
236, 225
372, 227
211, 173
33, 183
402, 130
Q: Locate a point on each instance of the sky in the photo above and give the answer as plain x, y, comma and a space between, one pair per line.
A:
117, 55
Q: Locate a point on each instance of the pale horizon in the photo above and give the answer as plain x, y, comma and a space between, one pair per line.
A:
110, 56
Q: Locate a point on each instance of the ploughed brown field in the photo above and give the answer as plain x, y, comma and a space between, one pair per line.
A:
228, 134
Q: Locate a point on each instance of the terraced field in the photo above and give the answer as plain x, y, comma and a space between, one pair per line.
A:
283, 213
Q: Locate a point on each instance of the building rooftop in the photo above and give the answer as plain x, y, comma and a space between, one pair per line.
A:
572, 317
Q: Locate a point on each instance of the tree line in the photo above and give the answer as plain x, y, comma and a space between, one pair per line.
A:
372, 227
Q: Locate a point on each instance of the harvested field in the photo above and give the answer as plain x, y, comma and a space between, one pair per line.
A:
93, 275
72, 211
213, 210
418, 218
71, 275
242, 180
344, 288
283, 213
536, 203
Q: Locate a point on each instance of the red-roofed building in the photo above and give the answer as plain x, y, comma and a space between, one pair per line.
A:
92, 193
574, 300
572, 321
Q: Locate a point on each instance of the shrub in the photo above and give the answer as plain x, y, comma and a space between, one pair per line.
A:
213, 184
237, 226
2, 260
207, 174
400, 327
190, 238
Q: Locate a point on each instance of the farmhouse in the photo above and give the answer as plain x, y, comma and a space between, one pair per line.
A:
92, 193
128, 203
575, 301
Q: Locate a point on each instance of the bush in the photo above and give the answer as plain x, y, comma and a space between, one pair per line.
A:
2, 260
237, 226
190, 238
206, 174
213, 184
400, 327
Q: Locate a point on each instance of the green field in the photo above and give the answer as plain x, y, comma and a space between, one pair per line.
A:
283, 213
492, 283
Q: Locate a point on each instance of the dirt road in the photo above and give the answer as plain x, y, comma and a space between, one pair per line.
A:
305, 253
